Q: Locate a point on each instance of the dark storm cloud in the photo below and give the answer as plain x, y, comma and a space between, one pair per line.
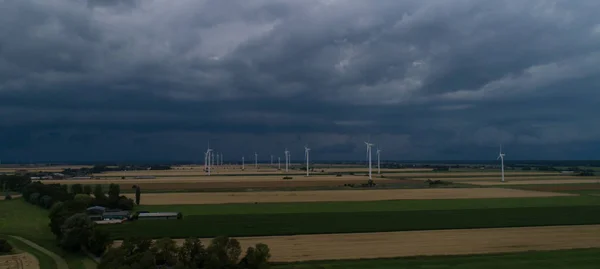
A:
432, 79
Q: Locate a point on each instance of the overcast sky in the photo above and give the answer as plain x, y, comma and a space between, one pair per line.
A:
424, 79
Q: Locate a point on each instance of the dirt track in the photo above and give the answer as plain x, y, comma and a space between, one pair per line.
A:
536, 182
19, 261
337, 195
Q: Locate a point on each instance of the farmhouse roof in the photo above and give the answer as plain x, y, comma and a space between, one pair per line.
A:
117, 213
159, 214
100, 208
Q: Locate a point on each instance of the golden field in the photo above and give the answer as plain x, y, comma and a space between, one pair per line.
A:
422, 243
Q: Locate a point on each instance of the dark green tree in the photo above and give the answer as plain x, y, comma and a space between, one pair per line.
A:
76, 232
87, 189
223, 252
256, 257
76, 189
192, 253
99, 192
165, 251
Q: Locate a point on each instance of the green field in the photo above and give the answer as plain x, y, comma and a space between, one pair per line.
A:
19, 218
45, 261
374, 206
572, 259
355, 222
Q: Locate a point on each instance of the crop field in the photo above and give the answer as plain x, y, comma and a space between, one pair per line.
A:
533, 182
337, 195
19, 261
13, 169
426, 243
372, 206
553, 259
356, 222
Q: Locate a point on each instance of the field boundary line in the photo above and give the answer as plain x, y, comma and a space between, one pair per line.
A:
60, 262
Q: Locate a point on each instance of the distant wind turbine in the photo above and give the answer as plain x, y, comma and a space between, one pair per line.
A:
278, 163
369, 145
207, 159
287, 159
306, 155
501, 158
242, 163
255, 160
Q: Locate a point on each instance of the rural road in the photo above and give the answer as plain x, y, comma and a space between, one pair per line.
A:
60, 262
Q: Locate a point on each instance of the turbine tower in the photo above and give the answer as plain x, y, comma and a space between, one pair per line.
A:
242, 163
369, 145
378, 161
501, 158
208, 157
287, 159
255, 160
278, 163
306, 155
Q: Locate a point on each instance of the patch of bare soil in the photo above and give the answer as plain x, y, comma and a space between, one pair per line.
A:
19, 261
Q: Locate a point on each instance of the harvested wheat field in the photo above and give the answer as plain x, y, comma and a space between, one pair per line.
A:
201, 186
339, 195
210, 179
417, 243
19, 261
422, 243
535, 182
510, 178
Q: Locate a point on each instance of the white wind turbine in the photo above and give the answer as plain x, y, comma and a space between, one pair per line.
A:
287, 159
306, 155
369, 145
501, 158
207, 159
242, 163
378, 161
255, 160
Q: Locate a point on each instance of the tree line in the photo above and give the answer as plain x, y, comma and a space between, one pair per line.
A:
222, 253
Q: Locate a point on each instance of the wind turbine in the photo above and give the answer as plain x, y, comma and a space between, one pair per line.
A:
501, 158
242, 163
255, 160
207, 159
306, 155
287, 159
378, 161
369, 145
278, 163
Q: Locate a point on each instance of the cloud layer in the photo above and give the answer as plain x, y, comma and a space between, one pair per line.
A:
155, 79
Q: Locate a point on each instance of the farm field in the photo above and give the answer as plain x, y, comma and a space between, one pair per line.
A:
19, 261
356, 222
556, 259
533, 182
391, 172
372, 206
338, 195
424, 243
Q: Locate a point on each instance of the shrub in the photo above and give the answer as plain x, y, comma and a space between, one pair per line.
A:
179, 215
7, 197
34, 198
87, 189
46, 201
287, 177
5, 247
84, 199
338, 175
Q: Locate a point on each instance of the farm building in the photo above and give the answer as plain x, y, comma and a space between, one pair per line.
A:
111, 215
159, 215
